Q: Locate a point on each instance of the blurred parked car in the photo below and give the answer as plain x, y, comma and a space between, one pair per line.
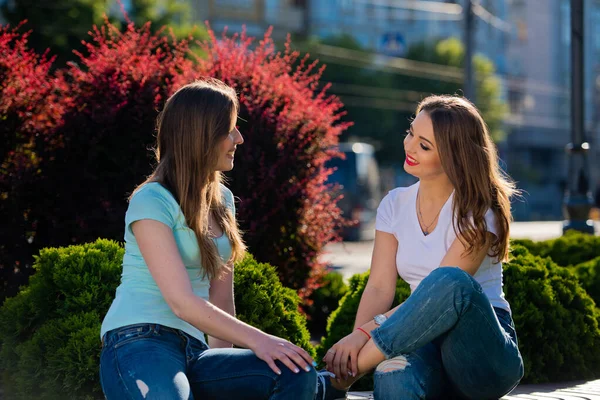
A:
358, 177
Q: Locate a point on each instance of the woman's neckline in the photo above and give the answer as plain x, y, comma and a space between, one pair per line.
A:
415, 212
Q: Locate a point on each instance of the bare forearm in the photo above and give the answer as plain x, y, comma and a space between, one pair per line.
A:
373, 302
217, 323
215, 343
226, 304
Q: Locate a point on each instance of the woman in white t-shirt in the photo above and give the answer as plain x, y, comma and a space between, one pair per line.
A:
447, 236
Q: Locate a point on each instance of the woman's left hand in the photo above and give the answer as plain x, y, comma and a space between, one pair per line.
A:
344, 355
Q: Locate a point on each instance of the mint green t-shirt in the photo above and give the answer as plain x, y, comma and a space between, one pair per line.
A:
138, 298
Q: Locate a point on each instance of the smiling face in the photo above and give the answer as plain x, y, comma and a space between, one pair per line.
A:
227, 149
422, 157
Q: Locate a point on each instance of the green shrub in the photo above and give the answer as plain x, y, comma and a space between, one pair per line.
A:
325, 300
50, 331
570, 249
341, 321
588, 274
262, 301
556, 321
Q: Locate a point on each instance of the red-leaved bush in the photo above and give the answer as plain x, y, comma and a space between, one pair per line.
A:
115, 92
96, 122
291, 129
108, 102
30, 109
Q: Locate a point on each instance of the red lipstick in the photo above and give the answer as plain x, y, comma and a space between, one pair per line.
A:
410, 162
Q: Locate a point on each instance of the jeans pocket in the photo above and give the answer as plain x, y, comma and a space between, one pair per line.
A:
129, 334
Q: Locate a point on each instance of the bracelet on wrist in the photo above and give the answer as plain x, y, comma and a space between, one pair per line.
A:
365, 332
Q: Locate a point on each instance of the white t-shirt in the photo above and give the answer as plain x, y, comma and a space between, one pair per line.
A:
418, 254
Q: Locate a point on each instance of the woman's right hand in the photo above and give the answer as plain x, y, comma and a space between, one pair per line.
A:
344, 355
270, 348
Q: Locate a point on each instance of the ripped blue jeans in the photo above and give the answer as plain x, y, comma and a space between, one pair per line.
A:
151, 361
447, 341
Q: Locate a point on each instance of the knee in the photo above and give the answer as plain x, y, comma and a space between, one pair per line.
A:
309, 379
303, 381
452, 278
396, 378
398, 363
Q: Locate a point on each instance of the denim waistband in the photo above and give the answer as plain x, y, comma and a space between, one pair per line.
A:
155, 328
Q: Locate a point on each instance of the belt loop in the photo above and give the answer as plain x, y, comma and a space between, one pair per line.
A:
156, 328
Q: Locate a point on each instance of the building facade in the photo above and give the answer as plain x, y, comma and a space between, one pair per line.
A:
538, 83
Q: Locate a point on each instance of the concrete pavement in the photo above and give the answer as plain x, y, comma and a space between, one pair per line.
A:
560, 391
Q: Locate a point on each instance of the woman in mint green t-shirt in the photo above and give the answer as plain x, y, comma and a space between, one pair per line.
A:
181, 241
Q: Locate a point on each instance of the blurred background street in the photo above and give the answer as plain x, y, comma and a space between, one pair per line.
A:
383, 56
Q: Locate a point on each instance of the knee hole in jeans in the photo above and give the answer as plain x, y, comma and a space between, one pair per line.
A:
144, 389
398, 363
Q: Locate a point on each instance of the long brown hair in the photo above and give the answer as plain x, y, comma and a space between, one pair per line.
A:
190, 128
470, 160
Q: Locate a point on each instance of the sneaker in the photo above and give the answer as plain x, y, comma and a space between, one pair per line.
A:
325, 390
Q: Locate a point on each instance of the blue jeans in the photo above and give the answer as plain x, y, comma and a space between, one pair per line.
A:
450, 343
150, 361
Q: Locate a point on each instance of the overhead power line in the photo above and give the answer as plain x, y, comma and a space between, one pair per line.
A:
374, 91
404, 66
427, 6
452, 11
377, 103
490, 18
379, 61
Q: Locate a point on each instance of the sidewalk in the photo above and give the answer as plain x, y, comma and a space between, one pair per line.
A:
540, 230
559, 391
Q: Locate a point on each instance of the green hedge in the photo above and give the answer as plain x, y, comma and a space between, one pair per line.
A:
556, 320
325, 300
588, 274
262, 301
577, 251
570, 249
49, 332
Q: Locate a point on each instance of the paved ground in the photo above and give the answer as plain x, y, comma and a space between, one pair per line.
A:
565, 391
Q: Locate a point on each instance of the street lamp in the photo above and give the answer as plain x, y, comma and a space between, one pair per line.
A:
578, 198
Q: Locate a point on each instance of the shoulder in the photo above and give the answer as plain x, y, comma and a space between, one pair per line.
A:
153, 196
152, 192
152, 201
392, 205
399, 195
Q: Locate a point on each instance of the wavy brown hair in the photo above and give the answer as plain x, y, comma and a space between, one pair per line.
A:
470, 160
192, 124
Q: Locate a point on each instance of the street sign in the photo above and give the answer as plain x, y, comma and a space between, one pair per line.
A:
393, 44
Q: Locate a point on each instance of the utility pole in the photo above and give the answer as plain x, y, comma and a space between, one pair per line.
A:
306, 19
578, 198
469, 85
